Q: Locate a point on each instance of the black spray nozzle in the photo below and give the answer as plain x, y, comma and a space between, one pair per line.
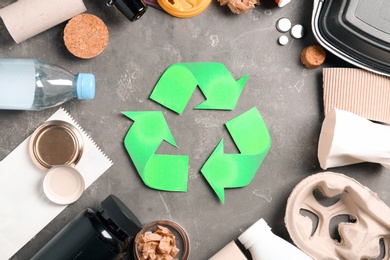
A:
122, 221
132, 9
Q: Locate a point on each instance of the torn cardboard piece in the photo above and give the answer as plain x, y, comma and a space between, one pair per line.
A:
359, 91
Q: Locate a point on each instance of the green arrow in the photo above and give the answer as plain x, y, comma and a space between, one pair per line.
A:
252, 139
177, 84
158, 171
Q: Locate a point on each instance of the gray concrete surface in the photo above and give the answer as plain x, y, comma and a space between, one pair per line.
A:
287, 95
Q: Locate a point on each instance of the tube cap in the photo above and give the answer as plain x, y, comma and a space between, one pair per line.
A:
63, 184
45, 149
85, 86
251, 235
120, 217
132, 9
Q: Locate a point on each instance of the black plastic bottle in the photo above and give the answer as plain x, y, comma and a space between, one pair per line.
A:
105, 234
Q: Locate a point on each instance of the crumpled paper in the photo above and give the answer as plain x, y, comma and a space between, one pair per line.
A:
240, 6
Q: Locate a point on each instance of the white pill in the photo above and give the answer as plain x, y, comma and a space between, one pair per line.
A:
297, 31
283, 25
283, 40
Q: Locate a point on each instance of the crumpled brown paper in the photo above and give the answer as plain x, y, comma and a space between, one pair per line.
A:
240, 6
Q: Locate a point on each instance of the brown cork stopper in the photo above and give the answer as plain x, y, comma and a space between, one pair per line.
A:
313, 56
85, 36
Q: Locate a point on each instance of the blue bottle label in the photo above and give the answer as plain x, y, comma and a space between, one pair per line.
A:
17, 84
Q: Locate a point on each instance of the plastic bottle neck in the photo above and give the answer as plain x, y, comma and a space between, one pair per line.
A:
112, 227
84, 86
263, 244
254, 232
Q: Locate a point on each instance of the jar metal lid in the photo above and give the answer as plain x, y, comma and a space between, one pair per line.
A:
63, 184
55, 142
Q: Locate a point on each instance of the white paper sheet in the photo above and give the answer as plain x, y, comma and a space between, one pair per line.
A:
27, 18
24, 209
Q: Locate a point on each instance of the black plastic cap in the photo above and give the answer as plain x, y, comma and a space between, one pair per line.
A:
132, 9
120, 215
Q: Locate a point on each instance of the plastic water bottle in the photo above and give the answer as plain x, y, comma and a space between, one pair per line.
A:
30, 84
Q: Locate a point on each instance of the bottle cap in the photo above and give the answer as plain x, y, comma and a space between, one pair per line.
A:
55, 142
85, 86
251, 235
124, 224
63, 184
184, 9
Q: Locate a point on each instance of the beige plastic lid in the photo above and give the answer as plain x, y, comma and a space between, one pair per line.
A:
63, 184
183, 8
55, 142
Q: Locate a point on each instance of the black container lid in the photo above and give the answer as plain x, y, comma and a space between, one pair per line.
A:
121, 220
357, 31
132, 9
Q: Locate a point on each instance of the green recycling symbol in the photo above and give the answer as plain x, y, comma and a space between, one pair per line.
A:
221, 170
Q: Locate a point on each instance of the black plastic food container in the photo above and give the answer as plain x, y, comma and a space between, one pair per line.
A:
358, 31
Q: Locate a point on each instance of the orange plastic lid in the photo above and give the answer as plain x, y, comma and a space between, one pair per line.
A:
184, 8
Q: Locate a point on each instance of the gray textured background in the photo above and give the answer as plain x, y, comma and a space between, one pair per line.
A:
287, 95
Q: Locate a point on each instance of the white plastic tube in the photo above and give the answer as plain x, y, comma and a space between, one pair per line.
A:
230, 252
347, 138
265, 245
